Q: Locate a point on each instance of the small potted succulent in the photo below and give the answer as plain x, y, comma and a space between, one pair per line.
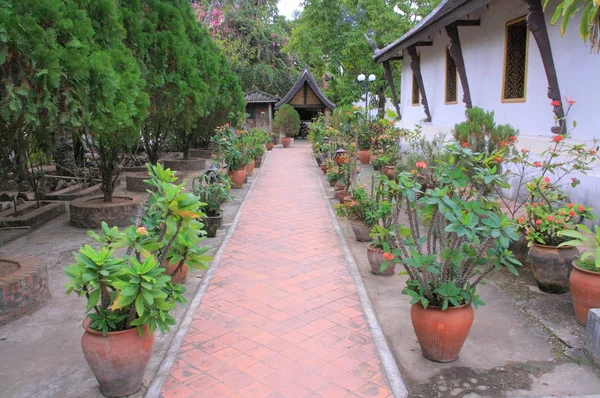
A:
585, 277
286, 122
129, 293
212, 188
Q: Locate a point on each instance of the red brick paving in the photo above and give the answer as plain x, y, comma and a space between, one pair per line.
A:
281, 317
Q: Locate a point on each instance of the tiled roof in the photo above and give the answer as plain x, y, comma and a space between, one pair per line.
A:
306, 77
254, 96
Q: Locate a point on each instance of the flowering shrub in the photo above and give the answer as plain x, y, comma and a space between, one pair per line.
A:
231, 147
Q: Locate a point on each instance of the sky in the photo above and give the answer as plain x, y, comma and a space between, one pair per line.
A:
287, 7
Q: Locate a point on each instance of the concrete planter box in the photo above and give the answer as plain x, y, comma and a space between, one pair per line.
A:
90, 212
191, 164
33, 218
25, 289
71, 193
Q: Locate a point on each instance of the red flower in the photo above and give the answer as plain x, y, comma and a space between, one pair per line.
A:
559, 221
558, 138
524, 151
522, 219
566, 226
498, 159
572, 213
570, 205
537, 164
388, 256
535, 205
555, 103
503, 143
538, 222
570, 101
547, 180
549, 218
465, 144
581, 208
512, 138
421, 165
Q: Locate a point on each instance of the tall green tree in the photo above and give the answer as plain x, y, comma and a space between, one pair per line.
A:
329, 36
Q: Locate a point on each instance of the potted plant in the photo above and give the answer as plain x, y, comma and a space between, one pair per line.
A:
548, 215
286, 122
363, 211
333, 175
258, 141
130, 295
364, 146
585, 277
212, 188
231, 153
274, 140
449, 244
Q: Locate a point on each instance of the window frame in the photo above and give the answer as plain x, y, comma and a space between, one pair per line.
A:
415, 83
449, 56
503, 88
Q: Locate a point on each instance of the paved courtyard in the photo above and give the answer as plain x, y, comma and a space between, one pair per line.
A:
281, 316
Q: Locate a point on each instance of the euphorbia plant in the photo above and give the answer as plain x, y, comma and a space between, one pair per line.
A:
453, 237
130, 290
213, 191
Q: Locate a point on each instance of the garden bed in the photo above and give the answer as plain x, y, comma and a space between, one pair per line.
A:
89, 212
29, 215
191, 164
72, 193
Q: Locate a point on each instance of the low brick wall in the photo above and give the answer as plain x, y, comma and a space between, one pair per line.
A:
201, 153
135, 182
191, 164
32, 219
90, 215
24, 291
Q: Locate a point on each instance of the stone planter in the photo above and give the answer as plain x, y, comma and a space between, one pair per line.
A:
200, 153
552, 266
135, 182
90, 212
212, 224
375, 257
191, 164
23, 286
29, 216
361, 231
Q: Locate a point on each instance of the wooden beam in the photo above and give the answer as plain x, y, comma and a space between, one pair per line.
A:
537, 25
398, 58
455, 50
467, 22
390, 81
415, 65
427, 43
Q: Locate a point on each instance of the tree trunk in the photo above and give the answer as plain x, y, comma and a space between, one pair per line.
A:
381, 104
186, 153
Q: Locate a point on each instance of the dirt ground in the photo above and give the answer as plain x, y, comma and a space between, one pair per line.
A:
523, 343
40, 353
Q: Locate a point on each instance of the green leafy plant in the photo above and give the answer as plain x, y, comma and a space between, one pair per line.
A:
131, 289
213, 191
257, 138
588, 243
286, 121
589, 25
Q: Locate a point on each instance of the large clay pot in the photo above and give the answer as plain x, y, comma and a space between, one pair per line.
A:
375, 257
212, 224
118, 360
179, 276
361, 231
258, 161
364, 155
441, 334
339, 186
286, 142
585, 292
551, 267
250, 167
323, 168
269, 146
342, 194
519, 248
237, 178
390, 172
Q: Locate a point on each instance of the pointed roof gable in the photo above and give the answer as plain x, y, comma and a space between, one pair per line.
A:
305, 77
257, 96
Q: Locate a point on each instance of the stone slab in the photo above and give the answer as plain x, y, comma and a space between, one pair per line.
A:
593, 335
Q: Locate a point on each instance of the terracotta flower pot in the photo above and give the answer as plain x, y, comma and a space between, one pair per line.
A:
364, 155
118, 360
585, 292
339, 186
342, 194
250, 167
212, 224
180, 276
286, 142
269, 146
323, 168
258, 161
390, 172
441, 334
551, 267
361, 231
237, 177
375, 257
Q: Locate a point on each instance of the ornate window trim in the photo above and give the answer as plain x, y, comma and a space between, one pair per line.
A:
448, 65
504, 64
415, 100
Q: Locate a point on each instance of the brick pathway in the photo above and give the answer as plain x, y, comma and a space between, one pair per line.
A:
281, 317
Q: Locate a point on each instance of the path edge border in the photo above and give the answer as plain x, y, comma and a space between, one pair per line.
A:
385, 354
163, 370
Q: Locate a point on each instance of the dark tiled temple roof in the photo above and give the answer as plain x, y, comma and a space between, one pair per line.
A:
447, 12
257, 96
306, 77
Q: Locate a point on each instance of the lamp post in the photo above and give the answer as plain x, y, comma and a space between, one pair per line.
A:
363, 78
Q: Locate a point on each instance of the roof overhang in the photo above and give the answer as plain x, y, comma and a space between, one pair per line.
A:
446, 13
306, 77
